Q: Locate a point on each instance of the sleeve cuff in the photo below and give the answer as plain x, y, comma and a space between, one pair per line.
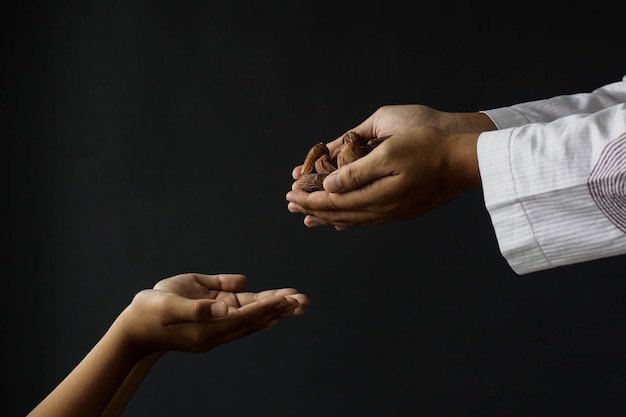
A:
514, 233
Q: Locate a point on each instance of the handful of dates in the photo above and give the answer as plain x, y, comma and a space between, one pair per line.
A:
319, 162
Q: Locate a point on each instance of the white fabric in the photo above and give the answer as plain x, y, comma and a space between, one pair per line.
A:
545, 175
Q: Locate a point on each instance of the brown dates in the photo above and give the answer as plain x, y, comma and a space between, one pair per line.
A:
319, 162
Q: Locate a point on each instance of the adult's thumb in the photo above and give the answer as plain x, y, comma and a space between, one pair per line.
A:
351, 176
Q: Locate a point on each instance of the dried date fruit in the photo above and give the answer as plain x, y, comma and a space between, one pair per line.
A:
312, 181
349, 152
319, 162
372, 143
324, 165
353, 137
315, 152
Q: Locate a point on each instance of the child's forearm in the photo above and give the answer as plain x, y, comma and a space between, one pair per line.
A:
93, 383
130, 385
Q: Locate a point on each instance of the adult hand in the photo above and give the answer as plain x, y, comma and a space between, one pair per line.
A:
407, 175
196, 313
393, 119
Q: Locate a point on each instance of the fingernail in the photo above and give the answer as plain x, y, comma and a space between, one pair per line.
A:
312, 221
288, 304
219, 309
332, 183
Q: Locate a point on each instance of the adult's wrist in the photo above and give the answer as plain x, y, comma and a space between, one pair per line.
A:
474, 122
463, 159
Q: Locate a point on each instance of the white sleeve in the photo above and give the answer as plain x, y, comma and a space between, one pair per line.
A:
543, 111
556, 192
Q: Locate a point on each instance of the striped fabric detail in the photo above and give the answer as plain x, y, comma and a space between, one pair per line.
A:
607, 182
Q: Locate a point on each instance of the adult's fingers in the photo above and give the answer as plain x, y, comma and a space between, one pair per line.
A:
369, 201
358, 173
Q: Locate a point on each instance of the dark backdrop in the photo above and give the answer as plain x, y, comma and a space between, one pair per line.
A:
142, 139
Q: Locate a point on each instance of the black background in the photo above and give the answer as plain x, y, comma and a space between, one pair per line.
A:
142, 139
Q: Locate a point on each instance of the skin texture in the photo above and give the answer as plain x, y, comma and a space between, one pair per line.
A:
186, 313
428, 158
